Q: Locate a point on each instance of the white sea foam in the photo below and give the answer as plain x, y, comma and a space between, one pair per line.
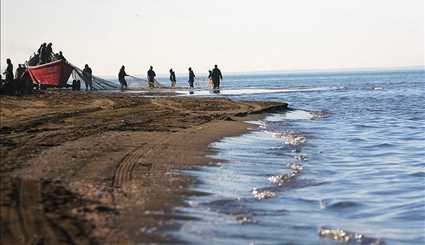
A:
255, 91
290, 138
301, 157
280, 180
348, 237
261, 195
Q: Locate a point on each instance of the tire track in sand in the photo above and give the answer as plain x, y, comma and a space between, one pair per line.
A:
124, 171
25, 222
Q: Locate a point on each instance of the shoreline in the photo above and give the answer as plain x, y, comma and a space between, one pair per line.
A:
104, 168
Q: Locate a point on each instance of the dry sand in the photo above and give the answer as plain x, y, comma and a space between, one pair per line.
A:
88, 168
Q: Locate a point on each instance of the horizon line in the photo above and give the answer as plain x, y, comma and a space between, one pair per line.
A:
297, 71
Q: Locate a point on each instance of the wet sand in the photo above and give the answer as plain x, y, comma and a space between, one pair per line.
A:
103, 168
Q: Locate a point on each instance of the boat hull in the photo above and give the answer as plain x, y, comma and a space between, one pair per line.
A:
53, 74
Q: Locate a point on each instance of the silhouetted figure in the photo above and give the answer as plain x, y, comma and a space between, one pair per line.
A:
9, 85
121, 78
9, 71
173, 78
59, 56
42, 53
88, 77
151, 77
191, 77
216, 76
210, 82
19, 79
19, 71
40, 49
76, 85
2, 85
48, 53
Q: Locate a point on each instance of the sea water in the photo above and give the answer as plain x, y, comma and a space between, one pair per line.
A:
346, 163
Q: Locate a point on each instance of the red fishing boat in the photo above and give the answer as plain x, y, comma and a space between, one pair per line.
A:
53, 74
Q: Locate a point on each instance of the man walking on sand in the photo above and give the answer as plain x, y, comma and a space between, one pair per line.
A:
151, 77
216, 76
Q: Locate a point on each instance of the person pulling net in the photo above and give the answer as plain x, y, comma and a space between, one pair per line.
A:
141, 83
93, 82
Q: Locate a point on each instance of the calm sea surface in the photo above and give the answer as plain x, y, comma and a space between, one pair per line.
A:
346, 162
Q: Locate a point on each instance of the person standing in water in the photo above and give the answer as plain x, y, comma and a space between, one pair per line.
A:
210, 82
151, 77
216, 76
88, 77
121, 78
191, 77
173, 78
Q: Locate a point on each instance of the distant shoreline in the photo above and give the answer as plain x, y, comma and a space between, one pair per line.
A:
164, 76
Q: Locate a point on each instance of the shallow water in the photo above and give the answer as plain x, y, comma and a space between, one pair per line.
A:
349, 155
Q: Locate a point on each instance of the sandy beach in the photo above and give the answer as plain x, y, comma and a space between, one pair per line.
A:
104, 168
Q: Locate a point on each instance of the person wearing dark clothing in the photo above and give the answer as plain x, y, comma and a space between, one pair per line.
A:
173, 78
48, 53
2, 85
151, 77
9, 71
121, 78
19, 79
191, 77
216, 76
210, 82
42, 54
19, 71
76, 85
40, 49
88, 77
59, 56
9, 85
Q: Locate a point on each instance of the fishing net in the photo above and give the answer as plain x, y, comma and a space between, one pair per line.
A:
97, 82
203, 84
140, 83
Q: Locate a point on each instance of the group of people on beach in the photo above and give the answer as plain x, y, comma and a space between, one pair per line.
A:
15, 83
18, 83
45, 55
214, 78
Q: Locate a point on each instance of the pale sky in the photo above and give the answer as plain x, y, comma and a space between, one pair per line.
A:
238, 35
